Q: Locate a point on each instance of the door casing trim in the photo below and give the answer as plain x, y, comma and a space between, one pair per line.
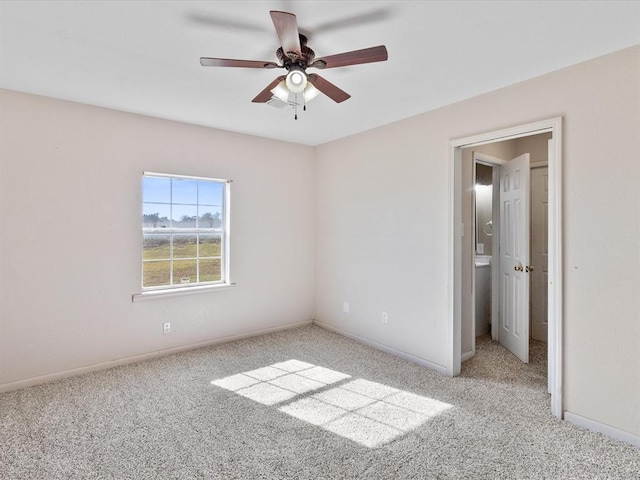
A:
555, 299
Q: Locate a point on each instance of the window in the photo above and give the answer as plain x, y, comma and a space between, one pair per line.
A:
184, 231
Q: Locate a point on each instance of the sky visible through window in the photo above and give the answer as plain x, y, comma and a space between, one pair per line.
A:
182, 203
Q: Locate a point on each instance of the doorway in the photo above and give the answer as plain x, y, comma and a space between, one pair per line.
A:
554, 274
485, 278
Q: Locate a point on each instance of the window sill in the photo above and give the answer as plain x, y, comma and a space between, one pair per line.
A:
149, 295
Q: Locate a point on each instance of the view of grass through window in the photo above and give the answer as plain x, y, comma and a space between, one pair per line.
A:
183, 231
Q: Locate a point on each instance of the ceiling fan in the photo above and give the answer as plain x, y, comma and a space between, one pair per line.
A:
295, 56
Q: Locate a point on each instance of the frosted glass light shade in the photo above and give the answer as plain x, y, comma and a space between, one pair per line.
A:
296, 81
281, 91
310, 92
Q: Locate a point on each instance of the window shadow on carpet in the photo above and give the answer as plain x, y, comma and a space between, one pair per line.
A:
366, 412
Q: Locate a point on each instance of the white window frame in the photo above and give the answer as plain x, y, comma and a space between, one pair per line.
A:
223, 231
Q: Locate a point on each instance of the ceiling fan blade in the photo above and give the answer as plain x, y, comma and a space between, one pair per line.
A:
227, 23
344, 22
265, 95
356, 57
286, 27
230, 62
328, 88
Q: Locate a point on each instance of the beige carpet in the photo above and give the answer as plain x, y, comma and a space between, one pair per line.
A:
300, 404
492, 362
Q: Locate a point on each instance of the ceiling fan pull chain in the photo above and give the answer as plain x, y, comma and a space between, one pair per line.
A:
296, 106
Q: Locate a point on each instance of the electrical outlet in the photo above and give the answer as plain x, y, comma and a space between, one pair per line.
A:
345, 307
385, 317
166, 327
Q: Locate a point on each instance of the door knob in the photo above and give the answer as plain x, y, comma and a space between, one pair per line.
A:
529, 269
518, 268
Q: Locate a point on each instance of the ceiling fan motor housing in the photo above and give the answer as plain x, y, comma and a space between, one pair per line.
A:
305, 58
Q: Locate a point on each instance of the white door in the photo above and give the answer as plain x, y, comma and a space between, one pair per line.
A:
539, 252
514, 256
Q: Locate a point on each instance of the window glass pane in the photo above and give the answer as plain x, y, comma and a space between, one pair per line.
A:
156, 274
185, 246
184, 191
209, 217
156, 247
183, 222
210, 245
184, 216
210, 193
184, 272
210, 270
155, 215
156, 189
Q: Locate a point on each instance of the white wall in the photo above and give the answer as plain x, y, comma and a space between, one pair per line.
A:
382, 223
537, 146
70, 240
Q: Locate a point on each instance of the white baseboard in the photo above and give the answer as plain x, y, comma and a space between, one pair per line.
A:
384, 348
7, 387
466, 356
608, 430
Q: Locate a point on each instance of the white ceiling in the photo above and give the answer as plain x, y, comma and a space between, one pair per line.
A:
143, 57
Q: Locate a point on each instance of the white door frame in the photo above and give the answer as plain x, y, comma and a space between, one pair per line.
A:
555, 300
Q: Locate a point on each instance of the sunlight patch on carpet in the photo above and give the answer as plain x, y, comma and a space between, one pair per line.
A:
363, 411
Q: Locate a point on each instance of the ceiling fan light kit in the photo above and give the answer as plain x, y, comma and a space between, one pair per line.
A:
282, 92
295, 56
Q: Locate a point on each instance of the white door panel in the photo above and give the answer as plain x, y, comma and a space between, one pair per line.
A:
514, 256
